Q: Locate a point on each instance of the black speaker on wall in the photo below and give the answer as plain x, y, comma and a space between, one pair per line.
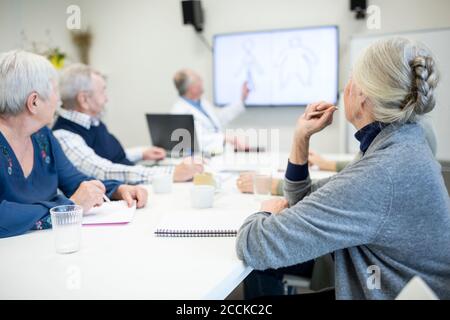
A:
360, 7
193, 13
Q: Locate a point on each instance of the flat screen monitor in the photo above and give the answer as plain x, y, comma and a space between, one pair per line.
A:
292, 67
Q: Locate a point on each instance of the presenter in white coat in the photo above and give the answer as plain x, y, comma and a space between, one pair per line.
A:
209, 120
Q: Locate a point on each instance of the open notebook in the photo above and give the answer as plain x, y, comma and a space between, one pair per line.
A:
114, 212
199, 224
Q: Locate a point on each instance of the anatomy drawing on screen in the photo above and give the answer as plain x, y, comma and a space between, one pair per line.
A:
288, 67
250, 66
296, 63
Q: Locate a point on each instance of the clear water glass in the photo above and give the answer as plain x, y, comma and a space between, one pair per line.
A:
66, 224
262, 186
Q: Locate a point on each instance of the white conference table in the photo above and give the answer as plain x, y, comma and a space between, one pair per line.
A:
128, 261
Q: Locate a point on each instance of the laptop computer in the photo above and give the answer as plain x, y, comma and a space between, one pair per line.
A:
175, 133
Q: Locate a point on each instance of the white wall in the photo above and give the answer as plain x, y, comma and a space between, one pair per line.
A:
142, 43
35, 18
139, 44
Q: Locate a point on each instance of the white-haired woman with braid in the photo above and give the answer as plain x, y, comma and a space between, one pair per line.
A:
386, 216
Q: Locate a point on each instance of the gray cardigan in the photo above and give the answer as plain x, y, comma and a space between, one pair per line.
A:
386, 217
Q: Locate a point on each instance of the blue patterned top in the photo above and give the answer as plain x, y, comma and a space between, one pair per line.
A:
25, 201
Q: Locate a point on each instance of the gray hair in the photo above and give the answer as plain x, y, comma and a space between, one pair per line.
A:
182, 80
399, 77
74, 79
21, 74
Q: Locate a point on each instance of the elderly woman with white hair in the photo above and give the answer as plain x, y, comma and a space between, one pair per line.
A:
386, 216
32, 164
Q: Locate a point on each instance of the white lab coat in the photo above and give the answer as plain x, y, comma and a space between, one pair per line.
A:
208, 139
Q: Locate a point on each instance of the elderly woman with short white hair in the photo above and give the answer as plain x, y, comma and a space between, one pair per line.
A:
386, 216
32, 165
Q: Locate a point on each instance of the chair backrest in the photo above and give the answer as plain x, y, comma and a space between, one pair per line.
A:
417, 289
323, 273
446, 174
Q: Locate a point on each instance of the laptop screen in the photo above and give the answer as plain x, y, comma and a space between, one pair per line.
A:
174, 133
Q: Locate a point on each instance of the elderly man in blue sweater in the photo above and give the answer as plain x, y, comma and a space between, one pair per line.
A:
91, 147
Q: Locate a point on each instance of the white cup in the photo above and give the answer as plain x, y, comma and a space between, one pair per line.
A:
202, 196
162, 183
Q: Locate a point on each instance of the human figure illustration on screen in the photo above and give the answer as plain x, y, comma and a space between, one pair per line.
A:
249, 64
280, 67
296, 62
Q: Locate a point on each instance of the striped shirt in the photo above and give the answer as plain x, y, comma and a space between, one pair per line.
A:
87, 161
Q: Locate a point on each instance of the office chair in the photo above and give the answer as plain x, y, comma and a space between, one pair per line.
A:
322, 278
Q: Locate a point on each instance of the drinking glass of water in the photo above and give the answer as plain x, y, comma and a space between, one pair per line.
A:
66, 223
262, 185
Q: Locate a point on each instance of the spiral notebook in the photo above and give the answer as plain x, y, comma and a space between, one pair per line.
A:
199, 224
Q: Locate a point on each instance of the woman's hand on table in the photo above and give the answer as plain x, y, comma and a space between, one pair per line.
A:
89, 194
131, 194
245, 182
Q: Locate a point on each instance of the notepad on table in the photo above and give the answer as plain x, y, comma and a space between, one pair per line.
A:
199, 224
114, 212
